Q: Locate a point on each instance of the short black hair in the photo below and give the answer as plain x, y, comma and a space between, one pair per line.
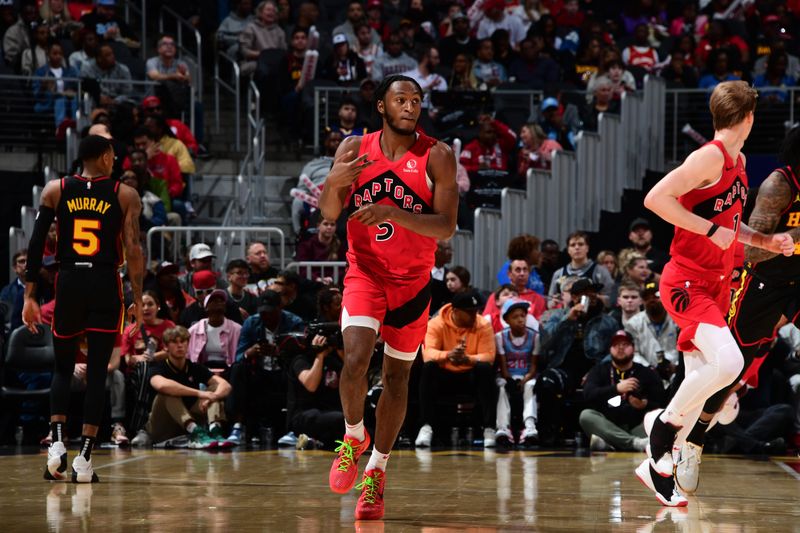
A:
93, 147
325, 297
236, 263
790, 149
383, 86
290, 276
137, 151
299, 29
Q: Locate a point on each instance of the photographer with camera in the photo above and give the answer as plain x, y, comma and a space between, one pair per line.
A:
618, 393
257, 376
573, 340
314, 406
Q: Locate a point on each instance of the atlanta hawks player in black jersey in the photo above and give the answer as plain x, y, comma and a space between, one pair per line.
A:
97, 217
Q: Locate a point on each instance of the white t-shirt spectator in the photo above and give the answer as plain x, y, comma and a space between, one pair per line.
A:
431, 82
511, 23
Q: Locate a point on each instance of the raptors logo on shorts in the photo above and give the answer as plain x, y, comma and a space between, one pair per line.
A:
680, 299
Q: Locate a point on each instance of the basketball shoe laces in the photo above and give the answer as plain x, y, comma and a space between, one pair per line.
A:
371, 484
345, 451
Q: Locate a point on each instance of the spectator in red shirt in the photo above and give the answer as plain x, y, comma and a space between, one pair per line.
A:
492, 147
160, 164
137, 348
570, 16
717, 37
151, 106
518, 274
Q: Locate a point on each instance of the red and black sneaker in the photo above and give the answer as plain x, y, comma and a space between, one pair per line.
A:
344, 469
370, 503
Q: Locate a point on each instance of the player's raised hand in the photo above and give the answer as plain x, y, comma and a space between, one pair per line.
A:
723, 237
780, 243
346, 169
31, 315
372, 214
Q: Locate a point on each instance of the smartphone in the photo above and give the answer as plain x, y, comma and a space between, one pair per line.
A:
585, 301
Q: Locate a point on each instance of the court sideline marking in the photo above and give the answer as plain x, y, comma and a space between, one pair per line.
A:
121, 462
788, 469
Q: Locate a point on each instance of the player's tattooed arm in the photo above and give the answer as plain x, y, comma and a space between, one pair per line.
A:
774, 196
132, 208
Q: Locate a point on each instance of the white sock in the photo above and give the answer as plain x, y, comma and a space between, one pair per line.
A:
356, 430
377, 460
530, 423
190, 427
212, 426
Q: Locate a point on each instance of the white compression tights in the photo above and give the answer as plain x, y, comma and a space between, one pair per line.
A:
715, 366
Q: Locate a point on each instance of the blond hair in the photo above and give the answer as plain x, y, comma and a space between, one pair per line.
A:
731, 102
175, 334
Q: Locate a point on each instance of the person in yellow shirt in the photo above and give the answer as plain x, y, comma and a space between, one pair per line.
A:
169, 143
459, 357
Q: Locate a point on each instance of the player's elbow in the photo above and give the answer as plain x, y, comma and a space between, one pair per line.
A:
651, 201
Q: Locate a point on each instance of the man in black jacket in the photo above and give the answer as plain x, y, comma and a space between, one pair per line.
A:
619, 392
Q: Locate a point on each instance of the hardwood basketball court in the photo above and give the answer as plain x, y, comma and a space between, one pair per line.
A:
286, 490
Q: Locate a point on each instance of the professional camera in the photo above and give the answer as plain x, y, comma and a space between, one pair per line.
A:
332, 332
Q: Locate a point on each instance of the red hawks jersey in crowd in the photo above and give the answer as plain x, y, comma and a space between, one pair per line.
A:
644, 57
721, 203
388, 249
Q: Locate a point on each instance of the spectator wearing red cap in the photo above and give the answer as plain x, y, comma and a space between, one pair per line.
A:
497, 19
163, 166
619, 392
151, 105
203, 283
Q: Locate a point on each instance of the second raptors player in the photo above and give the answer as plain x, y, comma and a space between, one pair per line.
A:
400, 189
704, 198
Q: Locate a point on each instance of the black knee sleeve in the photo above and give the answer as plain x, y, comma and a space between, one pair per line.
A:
100, 347
65, 350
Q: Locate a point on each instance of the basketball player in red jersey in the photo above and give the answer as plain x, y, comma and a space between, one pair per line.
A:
399, 187
704, 198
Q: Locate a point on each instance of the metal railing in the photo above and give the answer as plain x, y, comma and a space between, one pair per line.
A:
140, 9
227, 242
192, 56
491, 250
256, 131
327, 99
233, 88
327, 269
17, 240
685, 111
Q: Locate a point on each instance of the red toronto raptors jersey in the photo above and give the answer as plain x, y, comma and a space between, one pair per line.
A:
721, 203
389, 249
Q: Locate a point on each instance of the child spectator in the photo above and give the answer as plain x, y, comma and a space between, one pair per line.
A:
516, 346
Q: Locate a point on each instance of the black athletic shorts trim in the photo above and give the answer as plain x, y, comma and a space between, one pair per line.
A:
758, 305
88, 299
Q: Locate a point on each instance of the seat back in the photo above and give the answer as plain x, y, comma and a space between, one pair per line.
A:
30, 353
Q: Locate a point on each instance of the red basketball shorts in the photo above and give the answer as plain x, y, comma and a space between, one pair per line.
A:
396, 310
691, 300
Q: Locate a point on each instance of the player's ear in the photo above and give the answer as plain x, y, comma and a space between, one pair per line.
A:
380, 106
